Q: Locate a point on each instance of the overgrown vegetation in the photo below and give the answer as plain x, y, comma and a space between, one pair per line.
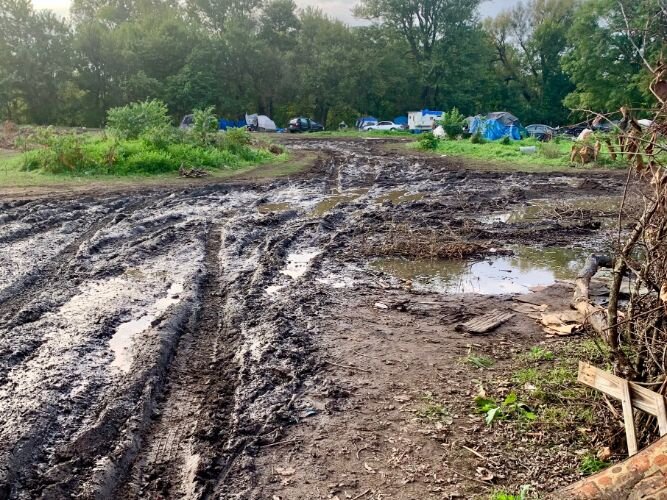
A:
140, 140
590, 464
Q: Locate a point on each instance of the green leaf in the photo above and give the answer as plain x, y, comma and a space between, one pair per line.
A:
491, 415
510, 399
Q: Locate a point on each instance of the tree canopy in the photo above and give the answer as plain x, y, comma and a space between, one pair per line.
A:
539, 60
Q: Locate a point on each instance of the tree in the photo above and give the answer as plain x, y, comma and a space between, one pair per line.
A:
610, 40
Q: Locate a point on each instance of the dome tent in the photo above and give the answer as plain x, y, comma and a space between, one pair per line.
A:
497, 125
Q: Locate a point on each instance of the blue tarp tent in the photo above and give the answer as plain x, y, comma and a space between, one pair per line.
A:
224, 123
401, 120
496, 126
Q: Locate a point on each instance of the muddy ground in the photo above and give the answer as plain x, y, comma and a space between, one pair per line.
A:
273, 341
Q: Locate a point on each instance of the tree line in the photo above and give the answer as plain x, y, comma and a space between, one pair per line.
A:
540, 59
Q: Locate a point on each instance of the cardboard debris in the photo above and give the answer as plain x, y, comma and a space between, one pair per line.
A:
565, 322
486, 322
531, 310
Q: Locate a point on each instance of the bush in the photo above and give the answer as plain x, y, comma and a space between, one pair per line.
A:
550, 151
477, 138
428, 141
204, 124
506, 141
133, 120
452, 122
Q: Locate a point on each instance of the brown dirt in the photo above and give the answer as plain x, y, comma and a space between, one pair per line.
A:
265, 357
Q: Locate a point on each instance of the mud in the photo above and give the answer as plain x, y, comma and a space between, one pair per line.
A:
160, 344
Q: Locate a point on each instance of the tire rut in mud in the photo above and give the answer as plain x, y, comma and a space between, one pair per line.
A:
183, 444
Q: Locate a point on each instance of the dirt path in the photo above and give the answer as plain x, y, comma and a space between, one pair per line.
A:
225, 340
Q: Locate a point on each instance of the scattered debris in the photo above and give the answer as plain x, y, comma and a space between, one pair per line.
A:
192, 172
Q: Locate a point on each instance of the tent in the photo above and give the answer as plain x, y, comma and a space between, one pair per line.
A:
496, 126
224, 123
261, 123
401, 120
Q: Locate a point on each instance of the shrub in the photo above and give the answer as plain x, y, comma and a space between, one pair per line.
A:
506, 141
428, 141
204, 123
550, 151
477, 138
137, 118
452, 122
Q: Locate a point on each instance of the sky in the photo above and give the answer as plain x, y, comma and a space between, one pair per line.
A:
340, 9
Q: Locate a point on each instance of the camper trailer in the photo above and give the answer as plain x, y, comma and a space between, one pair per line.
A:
420, 121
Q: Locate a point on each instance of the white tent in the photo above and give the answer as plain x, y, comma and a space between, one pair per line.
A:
261, 122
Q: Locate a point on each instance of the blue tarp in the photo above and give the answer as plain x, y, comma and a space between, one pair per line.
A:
224, 124
364, 120
401, 120
496, 126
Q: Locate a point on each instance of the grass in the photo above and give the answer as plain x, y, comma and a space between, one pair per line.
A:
590, 464
480, 362
433, 411
552, 156
538, 354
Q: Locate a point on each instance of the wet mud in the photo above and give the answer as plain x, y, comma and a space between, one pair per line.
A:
155, 345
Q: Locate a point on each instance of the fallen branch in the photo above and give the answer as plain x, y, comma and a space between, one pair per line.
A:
595, 315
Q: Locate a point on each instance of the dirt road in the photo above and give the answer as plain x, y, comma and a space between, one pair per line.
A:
263, 340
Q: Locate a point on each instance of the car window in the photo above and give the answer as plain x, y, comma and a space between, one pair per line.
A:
385, 123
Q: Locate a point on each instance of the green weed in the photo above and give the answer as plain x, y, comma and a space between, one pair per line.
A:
590, 464
509, 408
480, 362
537, 354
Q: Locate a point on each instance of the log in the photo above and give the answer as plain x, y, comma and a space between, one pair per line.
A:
593, 314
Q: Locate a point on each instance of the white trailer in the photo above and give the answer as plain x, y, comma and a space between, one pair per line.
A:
420, 121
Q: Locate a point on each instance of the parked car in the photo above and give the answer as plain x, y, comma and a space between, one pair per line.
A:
304, 125
571, 131
540, 132
382, 126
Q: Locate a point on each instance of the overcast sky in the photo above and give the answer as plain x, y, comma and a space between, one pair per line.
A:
340, 9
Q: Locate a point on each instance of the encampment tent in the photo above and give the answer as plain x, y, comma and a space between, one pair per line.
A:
261, 123
401, 120
496, 126
224, 123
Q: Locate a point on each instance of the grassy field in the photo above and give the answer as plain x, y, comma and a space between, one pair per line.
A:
12, 175
552, 155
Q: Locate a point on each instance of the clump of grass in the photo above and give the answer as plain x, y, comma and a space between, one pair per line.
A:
433, 411
523, 494
590, 464
537, 354
477, 361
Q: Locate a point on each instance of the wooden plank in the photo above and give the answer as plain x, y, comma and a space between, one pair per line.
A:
642, 398
630, 394
628, 419
486, 322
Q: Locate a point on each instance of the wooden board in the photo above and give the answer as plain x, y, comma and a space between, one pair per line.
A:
630, 395
486, 322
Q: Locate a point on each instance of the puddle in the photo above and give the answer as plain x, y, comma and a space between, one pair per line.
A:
121, 341
398, 197
267, 208
541, 209
297, 262
332, 201
529, 267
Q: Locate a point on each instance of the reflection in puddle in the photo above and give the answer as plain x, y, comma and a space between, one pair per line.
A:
332, 201
397, 197
297, 263
600, 206
529, 267
121, 341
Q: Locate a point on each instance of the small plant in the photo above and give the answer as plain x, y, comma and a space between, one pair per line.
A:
477, 138
452, 123
539, 354
590, 464
480, 362
506, 141
523, 494
509, 408
550, 150
133, 120
428, 141
433, 411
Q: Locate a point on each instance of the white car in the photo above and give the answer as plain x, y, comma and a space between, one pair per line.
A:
382, 126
